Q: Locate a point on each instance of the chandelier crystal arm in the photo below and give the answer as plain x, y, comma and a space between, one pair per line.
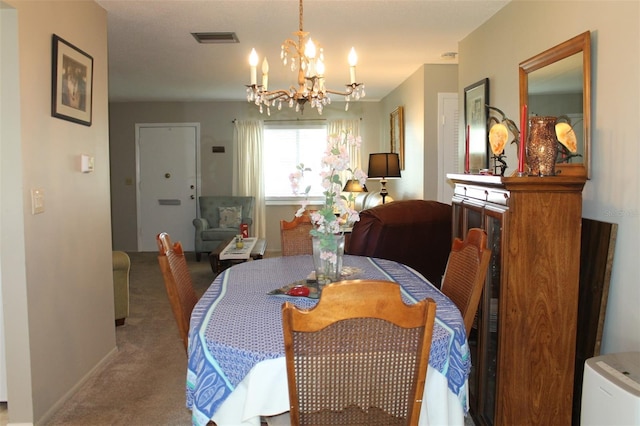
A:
350, 89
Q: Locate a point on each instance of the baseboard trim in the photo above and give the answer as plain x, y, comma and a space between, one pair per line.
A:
58, 405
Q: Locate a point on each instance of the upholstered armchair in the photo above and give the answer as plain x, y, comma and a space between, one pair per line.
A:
121, 266
220, 219
367, 200
416, 233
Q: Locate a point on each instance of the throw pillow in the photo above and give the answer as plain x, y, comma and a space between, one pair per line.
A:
230, 217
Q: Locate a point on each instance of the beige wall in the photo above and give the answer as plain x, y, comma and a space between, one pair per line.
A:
409, 95
418, 94
63, 306
12, 279
525, 28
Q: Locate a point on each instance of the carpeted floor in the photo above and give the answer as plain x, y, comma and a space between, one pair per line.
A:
144, 383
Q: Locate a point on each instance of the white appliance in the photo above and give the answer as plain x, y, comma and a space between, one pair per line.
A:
611, 390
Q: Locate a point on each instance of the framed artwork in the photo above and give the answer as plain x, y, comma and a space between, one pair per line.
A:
476, 99
71, 83
397, 134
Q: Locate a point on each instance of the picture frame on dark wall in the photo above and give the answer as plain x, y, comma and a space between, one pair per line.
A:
397, 133
71, 82
476, 99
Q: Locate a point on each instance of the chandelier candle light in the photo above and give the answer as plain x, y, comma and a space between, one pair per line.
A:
523, 139
307, 60
467, 154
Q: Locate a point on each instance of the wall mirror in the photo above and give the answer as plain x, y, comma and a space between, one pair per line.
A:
557, 82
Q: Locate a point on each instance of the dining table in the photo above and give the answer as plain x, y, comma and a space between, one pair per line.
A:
236, 372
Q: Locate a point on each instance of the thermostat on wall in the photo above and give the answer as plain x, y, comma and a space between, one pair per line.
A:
86, 163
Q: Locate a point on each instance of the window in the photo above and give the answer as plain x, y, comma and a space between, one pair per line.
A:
285, 147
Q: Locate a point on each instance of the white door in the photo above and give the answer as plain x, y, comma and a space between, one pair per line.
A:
167, 182
11, 215
448, 156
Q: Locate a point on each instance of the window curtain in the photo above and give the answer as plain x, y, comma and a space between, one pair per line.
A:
247, 170
337, 127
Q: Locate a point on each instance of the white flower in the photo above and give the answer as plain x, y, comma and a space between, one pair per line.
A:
336, 159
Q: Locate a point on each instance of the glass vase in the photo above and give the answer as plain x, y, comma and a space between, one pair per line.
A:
542, 146
328, 251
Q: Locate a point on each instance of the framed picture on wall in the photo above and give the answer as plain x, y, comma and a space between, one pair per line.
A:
397, 134
476, 99
71, 82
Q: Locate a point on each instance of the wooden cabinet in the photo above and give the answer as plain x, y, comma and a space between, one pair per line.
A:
523, 344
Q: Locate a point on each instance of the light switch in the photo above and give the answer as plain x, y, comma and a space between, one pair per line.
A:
86, 163
37, 201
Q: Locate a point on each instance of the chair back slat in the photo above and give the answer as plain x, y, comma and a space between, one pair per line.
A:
294, 236
466, 273
359, 357
178, 283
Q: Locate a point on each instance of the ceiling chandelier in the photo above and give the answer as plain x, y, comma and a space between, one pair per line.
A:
305, 58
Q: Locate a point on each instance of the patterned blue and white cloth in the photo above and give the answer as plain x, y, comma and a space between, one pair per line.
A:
236, 325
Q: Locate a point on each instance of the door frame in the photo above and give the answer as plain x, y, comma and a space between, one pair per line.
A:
138, 126
446, 162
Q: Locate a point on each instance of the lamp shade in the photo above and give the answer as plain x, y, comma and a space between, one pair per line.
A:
353, 185
384, 165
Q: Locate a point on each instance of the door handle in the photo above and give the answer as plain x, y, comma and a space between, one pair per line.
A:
193, 197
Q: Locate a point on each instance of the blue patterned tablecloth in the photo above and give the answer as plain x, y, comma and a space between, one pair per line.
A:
236, 325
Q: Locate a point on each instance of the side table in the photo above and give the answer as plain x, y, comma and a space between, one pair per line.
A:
217, 264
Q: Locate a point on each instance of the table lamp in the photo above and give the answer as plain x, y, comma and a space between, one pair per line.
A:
384, 165
353, 185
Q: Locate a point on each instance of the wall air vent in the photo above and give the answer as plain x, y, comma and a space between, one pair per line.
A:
216, 37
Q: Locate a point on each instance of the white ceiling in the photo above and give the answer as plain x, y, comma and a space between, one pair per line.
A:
154, 57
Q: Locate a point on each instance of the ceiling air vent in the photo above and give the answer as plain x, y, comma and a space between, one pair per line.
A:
217, 37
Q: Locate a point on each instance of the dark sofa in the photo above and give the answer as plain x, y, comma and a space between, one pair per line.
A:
416, 233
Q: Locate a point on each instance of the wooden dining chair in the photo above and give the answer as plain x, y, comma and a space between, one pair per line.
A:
294, 235
359, 356
177, 280
466, 272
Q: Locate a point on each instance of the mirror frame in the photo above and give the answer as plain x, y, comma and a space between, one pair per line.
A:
579, 43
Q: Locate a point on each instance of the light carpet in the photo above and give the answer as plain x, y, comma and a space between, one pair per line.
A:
144, 382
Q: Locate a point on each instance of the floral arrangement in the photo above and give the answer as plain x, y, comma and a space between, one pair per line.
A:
336, 209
